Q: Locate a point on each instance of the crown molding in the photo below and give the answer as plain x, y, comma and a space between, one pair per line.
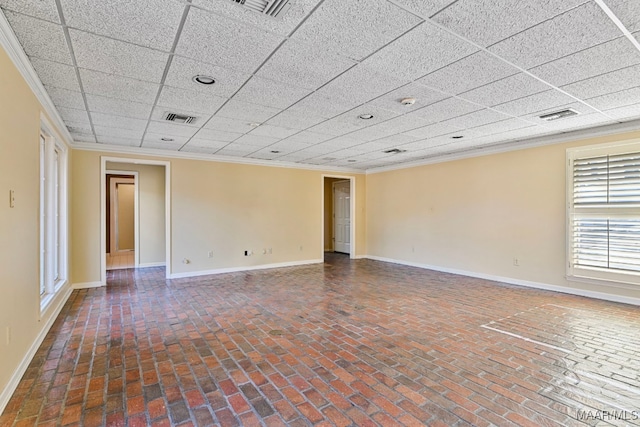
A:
11, 45
92, 146
519, 144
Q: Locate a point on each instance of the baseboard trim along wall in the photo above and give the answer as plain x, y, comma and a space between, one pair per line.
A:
87, 285
151, 264
537, 285
247, 268
8, 391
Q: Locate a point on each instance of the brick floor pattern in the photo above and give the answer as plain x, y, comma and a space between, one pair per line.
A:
342, 343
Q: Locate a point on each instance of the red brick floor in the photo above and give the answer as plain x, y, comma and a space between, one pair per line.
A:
344, 343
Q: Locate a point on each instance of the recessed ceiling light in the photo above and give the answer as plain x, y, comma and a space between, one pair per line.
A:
457, 137
254, 124
166, 139
394, 151
408, 101
366, 116
204, 80
275, 151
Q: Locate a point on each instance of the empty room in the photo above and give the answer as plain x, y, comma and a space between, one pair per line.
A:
319, 213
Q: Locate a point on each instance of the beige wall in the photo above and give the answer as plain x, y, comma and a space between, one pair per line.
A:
151, 208
225, 208
19, 226
328, 212
478, 214
126, 216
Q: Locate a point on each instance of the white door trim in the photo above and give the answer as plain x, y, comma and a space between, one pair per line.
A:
103, 209
333, 212
136, 215
352, 191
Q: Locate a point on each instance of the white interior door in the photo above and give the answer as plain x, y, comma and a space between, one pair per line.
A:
122, 226
342, 216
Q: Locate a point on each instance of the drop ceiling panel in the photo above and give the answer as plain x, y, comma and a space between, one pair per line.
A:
108, 120
615, 81
505, 90
183, 70
600, 59
433, 130
151, 23
246, 111
396, 125
39, 38
488, 22
115, 140
423, 95
627, 11
75, 127
558, 37
55, 74
255, 141
350, 121
273, 131
579, 107
65, 98
472, 120
229, 125
157, 138
73, 115
216, 135
160, 112
426, 9
307, 137
161, 145
616, 99
171, 129
118, 87
39, 9
212, 38
206, 143
354, 29
270, 93
297, 64
577, 122
494, 128
201, 101
443, 110
197, 149
469, 73
421, 51
104, 131
102, 104
625, 113
537, 102
322, 105
291, 119
116, 57
83, 137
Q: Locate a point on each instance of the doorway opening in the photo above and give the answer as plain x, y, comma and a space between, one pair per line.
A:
338, 215
142, 239
122, 220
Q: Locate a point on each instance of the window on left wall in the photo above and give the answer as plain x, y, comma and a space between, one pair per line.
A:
53, 217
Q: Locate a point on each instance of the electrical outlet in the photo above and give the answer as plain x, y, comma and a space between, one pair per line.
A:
210, 254
12, 198
516, 262
186, 261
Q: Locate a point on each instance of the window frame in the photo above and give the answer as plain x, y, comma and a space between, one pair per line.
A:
595, 275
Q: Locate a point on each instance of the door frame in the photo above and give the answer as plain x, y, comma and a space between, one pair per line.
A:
103, 210
352, 212
333, 212
136, 212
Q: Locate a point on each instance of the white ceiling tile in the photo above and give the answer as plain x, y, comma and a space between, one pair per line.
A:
600, 59
116, 57
78, 127
118, 87
103, 131
115, 140
39, 38
83, 137
579, 107
171, 129
288, 147
625, 113
537, 102
160, 112
161, 145
616, 99
614, 81
198, 149
492, 128
163, 139
517, 134
102, 104
213, 38
270, 93
396, 125
469, 73
201, 101
46, 10
398, 139
183, 70
273, 131
206, 143
284, 24
437, 48
354, 29
229, 125
628, 11
426, 9
488, 22
263, 155
246, 111
295, 120
433, 130
577, 122
295, 63
322, 105
558, 37
65, 98
308, 137
108, 120
477, 118
422, 94
443, 110
73, 115
507, 89
255, 140
55, 74
235, 150
350, 121
151, 23
216, 135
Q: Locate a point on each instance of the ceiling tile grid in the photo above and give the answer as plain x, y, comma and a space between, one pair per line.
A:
301, 87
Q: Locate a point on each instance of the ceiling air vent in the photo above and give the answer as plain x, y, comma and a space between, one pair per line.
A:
271, 8
559, 115
394, 151
179, 118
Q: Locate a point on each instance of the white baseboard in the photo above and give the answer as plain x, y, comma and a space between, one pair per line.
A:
8, 391
87, 285
152, 264
537, 285
247, 268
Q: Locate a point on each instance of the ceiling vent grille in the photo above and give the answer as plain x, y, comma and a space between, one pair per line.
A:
559, 115
271, 8
394, 151
179, 118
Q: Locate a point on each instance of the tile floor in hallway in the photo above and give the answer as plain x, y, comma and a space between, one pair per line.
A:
343, 343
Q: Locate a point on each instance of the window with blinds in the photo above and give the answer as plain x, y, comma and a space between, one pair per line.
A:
604, 215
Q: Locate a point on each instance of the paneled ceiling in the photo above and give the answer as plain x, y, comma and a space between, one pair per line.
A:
293, 88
